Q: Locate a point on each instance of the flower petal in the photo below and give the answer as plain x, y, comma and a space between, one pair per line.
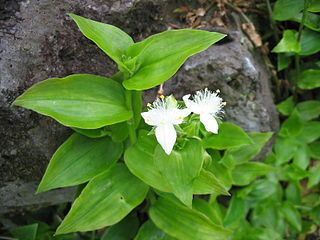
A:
166, 136
209, 122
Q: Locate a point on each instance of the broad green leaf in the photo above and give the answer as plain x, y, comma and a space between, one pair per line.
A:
291, 215
126, 229
314, 6
204, 207
315, 150
110, 39
315, 215
78, 160
119, 131
283, 61
309, 79
158, 57
222, 173
310, 132
314, 177
311, 21
223, 139
180, 168
80, 100
301, 157
285, 148
184, 223
236, 212
207, 183
149, 231
245, 153
27, 232
245, 173
294, 172
310, 43
309, 109
140, 161
106, 200
286, 107
265, 215
286, 9
288, 43
292, 126
261, 190
293, 192
93, 133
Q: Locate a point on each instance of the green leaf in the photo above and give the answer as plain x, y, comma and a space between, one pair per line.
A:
119, 131
315, 150
110, 39
286, 107
309, 79
106, 200
140, 161
285, 148
311, 21
222, 140
293, 193
207, 183
283, 61
288, 43
310, 43
204, 207
314, 6
245, 173
93, 133
116, 232
291, 215
301, 157
309, 110
286, 9
310, 132
149, 231
180, 168
245, 153
158, 57
292, 126
184, 223
236, 212
294, 172
80, 100
314, 177
27, 232
221, 172
261, 190
78, 160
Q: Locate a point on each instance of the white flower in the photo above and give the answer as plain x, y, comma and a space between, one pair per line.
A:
208, 104
163, 114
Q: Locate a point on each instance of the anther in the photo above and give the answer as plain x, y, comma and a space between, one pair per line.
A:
161, 96
218, 90
149, 104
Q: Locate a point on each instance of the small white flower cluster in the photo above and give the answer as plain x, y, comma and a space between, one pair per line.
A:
164, 113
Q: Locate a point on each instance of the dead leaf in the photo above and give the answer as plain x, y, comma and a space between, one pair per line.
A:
250, 30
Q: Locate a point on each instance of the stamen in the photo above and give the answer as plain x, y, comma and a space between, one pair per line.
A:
218, 90
180, 118
161, 96
149, 104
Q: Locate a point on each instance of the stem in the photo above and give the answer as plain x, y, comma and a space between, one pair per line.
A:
273, 23
130, 122
297, 57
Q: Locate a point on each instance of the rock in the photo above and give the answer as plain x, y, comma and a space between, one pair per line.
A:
39, 41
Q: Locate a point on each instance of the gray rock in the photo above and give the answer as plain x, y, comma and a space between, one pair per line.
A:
39, 41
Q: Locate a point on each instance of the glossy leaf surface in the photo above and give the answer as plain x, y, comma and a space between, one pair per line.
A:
288, 43
158, 57
110, 39
78, 160
149, 231
223, 139
107, 199
309, 79
167, 215
180, 168
80, 100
